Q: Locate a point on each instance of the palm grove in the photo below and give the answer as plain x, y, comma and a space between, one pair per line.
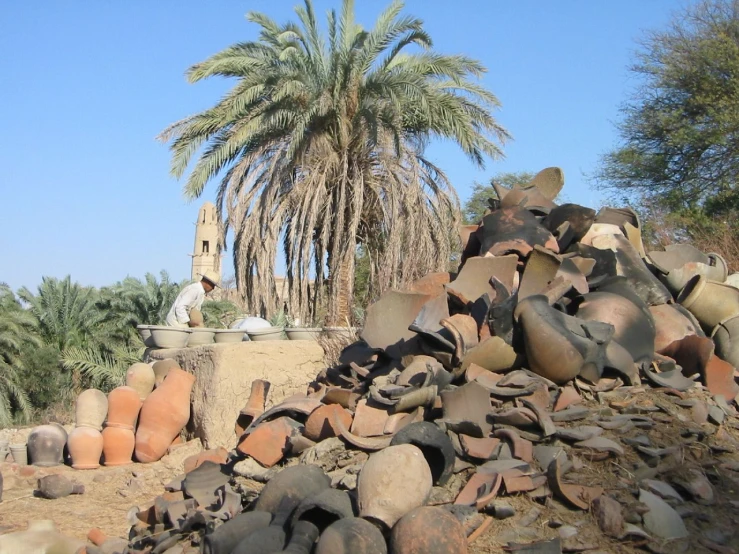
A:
318, 150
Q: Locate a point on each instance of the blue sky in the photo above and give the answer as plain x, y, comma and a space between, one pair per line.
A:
86, 87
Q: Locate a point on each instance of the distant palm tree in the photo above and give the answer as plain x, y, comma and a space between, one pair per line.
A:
320, 148
17, 328
66, 312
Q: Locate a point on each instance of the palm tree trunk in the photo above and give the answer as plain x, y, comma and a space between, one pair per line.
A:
341, 292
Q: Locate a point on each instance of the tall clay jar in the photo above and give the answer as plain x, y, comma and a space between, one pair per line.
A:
164, 413
85, 446
141, 377
91, 408
118, 438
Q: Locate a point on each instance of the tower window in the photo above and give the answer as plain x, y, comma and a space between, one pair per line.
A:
206, 247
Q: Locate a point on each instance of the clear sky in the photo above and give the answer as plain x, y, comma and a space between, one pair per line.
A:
85, 87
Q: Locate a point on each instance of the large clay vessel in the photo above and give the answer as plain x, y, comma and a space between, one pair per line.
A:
726, 337
430, 530
161, 368
710, 302
141, 377
163, 415
435, 445
91, 408
230, 534
85, 447
123, 407
293, 485
393, 482
672, 322
118, 445
352, 535
46, 445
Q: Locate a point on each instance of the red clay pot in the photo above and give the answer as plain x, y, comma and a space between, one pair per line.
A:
428, 529
163, 415
123, 407
118, 444
85, 447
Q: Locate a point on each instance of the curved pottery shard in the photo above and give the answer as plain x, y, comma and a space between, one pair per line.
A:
432, 283
541, 269
577, 495
670, 325
549, 182
464, 330
365, 443
388, 319
474, 277
514, 230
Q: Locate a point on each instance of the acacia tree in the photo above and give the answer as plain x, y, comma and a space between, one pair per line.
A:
319, 148
477, 203
680, 131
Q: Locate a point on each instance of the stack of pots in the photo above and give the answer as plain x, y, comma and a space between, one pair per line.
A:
85, 442
124, 404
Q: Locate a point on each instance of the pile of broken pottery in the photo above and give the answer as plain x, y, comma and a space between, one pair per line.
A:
561, 351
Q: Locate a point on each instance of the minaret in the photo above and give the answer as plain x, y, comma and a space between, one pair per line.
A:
206, 255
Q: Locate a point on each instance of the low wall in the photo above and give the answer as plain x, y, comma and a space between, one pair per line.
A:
224, 373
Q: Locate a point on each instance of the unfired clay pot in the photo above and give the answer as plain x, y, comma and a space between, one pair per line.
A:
91, 408
141, 377
393, 482
46, 445
430, 530
163, 415
710, 302
85, 446
118, 445
161, 368
123, 407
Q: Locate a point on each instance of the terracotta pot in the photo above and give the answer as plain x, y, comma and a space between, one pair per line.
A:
141, 377
393, 482
324, 508
123, 407
230, 534
430, 530
46, 445
254, 406
352, 535
196, 318
85, 447
726, 337
118, 445
163, 415
161, 368
672, 322
435, 445
91, 408
710, 302
319, 425
295, 484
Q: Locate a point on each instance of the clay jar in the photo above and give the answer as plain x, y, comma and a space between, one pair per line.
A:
90, 409
710, 302
351, 535
163, 415
46, 445
161, 368
393, 482
118, 445
141, 377
430, 530
85, 446
123, 407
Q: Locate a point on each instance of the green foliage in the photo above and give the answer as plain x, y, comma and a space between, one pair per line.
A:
477, 203
680, 131
104, 369
219, 314
42, 377
319, 147
17, 331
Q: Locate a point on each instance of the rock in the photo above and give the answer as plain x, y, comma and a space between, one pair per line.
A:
251, 469
567, 531
530, 517
662, 520
176, 456
325, 454
500, 510
608, 514
57, 486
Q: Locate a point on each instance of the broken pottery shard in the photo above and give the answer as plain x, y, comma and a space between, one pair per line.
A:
517, 483
577, 495
671, 379
549, 182
481, 375
464, 330
203, 482
480, 486
493, 354
541, 269
369, 420
661, 520
482, 449
662, 489
719, 378
428, 323
566, 397
542, 418
553, 546
388, 319
513, 230
470, 402
365, 443
521, 448
432, 283
474, 278
696, 484
573, 413
269, 442
601, 444
296, 405
672, 323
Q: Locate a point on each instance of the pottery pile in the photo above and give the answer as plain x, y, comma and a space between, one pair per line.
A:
560, 339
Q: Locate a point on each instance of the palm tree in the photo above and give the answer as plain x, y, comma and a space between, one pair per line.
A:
66, 312
320, 147
17, 328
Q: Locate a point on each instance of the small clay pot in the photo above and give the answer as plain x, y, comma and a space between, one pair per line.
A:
430, 530
118, 445
141, 377
351, 535
393, 482
294, 483
123, 407
726, 337
435, 445
302, 538
161, 368
324, 508
320, 426
163, 415
46, 445
230, 534
57, 486
85, 447
710, 302
91, 408
20, 453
